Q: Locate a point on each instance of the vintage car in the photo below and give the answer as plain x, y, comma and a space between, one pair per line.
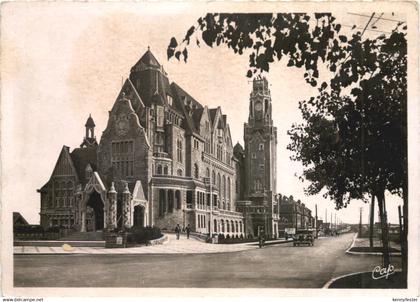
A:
303, 237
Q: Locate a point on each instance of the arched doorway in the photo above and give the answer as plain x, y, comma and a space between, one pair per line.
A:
97, 213
138, 216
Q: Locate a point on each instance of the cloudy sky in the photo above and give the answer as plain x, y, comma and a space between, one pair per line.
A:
62, 61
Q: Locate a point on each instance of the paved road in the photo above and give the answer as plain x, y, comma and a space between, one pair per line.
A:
282, 266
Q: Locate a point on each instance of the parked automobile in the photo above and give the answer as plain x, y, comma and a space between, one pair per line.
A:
303, 237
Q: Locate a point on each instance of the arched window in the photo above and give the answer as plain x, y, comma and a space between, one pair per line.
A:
215, 225
208, 173
219, 183
229, 192
170, 201
162, 202
165, 170
227, 226
222, 225
224, 187
179, 150
213, 177
158, 169
196, 171
236, 226
257, 185
240, 226
233, 226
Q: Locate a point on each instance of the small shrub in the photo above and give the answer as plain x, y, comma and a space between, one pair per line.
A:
143, 234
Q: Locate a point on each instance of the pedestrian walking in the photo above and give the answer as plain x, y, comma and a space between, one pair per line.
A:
177, 231
188, 229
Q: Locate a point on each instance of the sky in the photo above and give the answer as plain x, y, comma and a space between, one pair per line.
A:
64, 61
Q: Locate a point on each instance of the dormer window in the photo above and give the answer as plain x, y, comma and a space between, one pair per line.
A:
88, 172
169, 99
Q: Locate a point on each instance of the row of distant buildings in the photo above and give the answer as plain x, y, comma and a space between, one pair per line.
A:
294, 214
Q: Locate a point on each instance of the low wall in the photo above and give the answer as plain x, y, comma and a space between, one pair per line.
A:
160, 240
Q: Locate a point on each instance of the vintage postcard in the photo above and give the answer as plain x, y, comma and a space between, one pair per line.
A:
210, 149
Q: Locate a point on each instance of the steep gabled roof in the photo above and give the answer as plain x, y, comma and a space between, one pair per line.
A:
148, 59
185, 102
131, 93
212, 113
18, 219
196, 117
180, 92
138, 192
81, 158
64, 163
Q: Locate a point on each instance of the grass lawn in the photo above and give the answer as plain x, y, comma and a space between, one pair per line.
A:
365, 280
375, 249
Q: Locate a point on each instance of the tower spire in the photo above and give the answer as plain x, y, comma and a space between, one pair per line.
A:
89, 139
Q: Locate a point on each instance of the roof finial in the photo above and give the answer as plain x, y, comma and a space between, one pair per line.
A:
148, 47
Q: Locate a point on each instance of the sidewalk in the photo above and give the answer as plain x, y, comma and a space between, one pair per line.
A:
171, 246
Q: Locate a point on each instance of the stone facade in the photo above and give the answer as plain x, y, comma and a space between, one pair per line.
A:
259, 159
165, 159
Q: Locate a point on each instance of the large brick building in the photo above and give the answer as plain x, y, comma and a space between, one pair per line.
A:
294, 214
259, 161
166, 159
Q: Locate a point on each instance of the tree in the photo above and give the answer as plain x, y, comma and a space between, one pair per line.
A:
302, 39
357, 144
346, 141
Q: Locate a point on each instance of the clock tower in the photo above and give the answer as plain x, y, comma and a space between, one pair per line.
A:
260, 138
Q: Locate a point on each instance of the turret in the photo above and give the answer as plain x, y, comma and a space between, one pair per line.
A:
89, 139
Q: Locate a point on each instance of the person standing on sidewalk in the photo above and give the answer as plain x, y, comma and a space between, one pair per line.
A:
188, 229
177, 231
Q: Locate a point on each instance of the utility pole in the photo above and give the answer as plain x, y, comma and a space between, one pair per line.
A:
360, 222
316, 221
331, 222
335, 220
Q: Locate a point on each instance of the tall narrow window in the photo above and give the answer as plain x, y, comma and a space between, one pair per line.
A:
196, 171
159, 116
228, 189
179, 151
123, 157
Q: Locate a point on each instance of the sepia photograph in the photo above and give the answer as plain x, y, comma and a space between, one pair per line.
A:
209, 146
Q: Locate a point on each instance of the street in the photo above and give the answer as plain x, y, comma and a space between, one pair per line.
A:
279, 266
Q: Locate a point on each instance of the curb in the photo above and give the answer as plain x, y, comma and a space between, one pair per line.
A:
328, 284
367, 253
158, 241
270, 243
